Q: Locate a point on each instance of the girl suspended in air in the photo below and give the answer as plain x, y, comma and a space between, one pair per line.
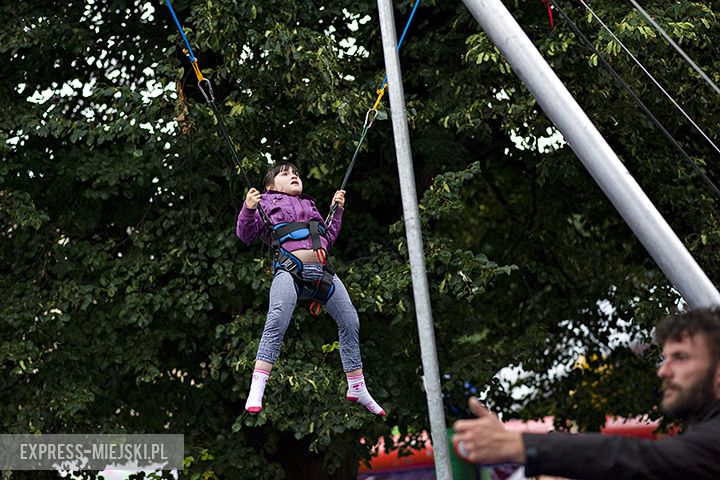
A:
300, 239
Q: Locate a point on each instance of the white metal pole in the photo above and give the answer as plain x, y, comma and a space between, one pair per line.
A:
593, 151
415, 246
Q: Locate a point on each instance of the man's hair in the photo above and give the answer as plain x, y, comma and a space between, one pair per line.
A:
704, 321
277, 168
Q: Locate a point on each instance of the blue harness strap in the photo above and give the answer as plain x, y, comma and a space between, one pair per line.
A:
318, 291
282, 232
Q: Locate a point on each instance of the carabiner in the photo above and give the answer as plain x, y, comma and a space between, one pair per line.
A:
370, 119
209, 96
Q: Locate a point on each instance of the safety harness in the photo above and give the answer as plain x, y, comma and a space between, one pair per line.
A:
319, 291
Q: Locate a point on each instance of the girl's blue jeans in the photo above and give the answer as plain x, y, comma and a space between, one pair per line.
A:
284, 297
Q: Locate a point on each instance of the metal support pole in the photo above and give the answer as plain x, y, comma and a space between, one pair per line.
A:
593, 151
415, 245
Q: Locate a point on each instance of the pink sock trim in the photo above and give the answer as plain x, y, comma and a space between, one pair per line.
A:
354, 377
262, 371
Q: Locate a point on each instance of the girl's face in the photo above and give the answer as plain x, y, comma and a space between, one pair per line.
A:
288, 181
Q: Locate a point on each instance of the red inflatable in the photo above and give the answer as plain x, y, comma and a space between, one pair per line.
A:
422, 458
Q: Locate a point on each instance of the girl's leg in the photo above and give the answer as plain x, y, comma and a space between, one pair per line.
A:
283, 298
262, 365
340, 307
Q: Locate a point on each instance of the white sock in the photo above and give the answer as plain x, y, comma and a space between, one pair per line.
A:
257, 390
358, 393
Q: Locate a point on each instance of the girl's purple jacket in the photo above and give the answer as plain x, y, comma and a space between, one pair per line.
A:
282, 207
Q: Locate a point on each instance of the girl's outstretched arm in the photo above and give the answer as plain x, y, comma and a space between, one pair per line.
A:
334, 230
249, 223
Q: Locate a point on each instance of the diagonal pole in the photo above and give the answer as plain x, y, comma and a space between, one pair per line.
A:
596, 155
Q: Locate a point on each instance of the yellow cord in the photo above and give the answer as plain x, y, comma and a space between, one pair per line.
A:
198, 74
380, 93
194, 64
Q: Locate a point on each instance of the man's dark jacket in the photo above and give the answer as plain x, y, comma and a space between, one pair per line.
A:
692, 455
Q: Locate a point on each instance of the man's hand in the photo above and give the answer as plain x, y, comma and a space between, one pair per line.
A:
485, 440
252, 199
339, 198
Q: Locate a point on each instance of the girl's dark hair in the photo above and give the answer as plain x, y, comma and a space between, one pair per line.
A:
705, 321
277, 168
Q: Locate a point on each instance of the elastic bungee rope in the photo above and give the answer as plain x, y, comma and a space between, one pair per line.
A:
370, 117
206, 89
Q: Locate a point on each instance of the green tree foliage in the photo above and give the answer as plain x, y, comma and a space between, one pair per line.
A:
129, 305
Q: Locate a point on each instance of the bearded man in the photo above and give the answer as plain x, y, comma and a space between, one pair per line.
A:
690, 374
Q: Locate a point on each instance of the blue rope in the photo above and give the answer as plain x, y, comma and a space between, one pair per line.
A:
407, 25
182, 32
402, 37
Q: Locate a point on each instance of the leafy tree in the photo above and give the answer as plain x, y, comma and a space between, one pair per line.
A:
129, 305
